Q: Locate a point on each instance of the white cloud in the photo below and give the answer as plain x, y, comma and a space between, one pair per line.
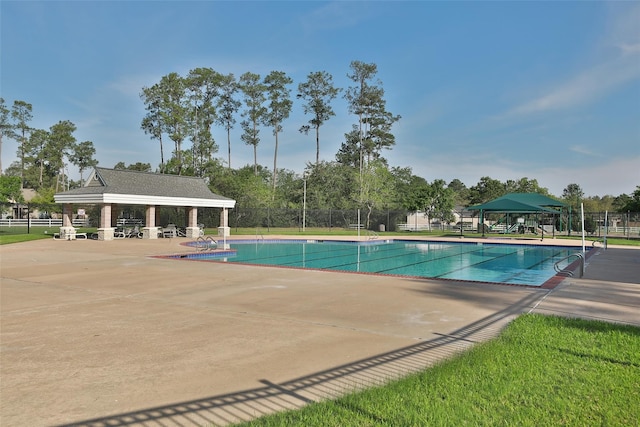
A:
610, 176
613, 177
623, 30
587, 86
335, 15
616, 64
630, 48
582, 150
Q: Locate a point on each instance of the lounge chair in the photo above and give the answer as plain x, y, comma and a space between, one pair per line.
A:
170, 231
56, 236
134, 232
127, 233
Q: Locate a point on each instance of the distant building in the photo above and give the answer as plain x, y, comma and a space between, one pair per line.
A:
20, 210
417, 221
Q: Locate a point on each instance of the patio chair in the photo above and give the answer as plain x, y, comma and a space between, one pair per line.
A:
134, 232
170, 231
56, 236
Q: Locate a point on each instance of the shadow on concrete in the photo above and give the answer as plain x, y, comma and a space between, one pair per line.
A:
615, 264
271, 397
485, 295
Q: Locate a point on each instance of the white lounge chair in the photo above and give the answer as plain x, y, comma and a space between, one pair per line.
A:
134, 232
127, 232
170, 231
75, 236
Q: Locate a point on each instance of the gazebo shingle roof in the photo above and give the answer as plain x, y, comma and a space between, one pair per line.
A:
132, 187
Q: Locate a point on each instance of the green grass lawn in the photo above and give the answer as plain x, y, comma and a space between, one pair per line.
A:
19, 234
541, 371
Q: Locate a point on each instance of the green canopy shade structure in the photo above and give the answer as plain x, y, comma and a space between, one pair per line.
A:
525, 203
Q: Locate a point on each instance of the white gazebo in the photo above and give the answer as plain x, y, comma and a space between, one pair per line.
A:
110, 188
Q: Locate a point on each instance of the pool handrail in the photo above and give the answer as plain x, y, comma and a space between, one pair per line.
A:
206, 243
565, 271
372, 235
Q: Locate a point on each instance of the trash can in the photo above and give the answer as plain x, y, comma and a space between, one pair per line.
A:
381, 227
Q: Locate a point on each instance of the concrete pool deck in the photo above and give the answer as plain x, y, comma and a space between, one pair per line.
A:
100, 333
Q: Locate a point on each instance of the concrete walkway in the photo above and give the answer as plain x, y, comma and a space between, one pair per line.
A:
608, 291
101, 334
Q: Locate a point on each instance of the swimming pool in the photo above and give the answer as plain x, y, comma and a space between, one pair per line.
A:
529, 265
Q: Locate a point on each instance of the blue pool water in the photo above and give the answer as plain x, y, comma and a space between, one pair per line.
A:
498, 263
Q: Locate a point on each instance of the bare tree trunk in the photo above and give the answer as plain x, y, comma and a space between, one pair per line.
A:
41, 171
229, 144
275, 170
317, 145
161, 156
255, 152
255, 160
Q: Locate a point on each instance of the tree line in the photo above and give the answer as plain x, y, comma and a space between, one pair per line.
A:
43, 155
185, 108
182, 110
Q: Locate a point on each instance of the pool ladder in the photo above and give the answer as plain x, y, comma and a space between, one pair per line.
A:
565, 271
206, 244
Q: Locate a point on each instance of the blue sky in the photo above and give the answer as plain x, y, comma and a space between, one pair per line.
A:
544, 90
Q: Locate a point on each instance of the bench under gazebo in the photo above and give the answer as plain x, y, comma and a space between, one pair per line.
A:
109, 188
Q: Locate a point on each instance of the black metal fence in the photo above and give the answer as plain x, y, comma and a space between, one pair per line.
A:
23, 218
266, 218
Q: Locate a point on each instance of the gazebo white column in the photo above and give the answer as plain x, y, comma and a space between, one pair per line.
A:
224, 231
106, 230
67, 232
192, 231
150, 231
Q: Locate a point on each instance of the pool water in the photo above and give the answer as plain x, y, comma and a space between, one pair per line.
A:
498, 263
